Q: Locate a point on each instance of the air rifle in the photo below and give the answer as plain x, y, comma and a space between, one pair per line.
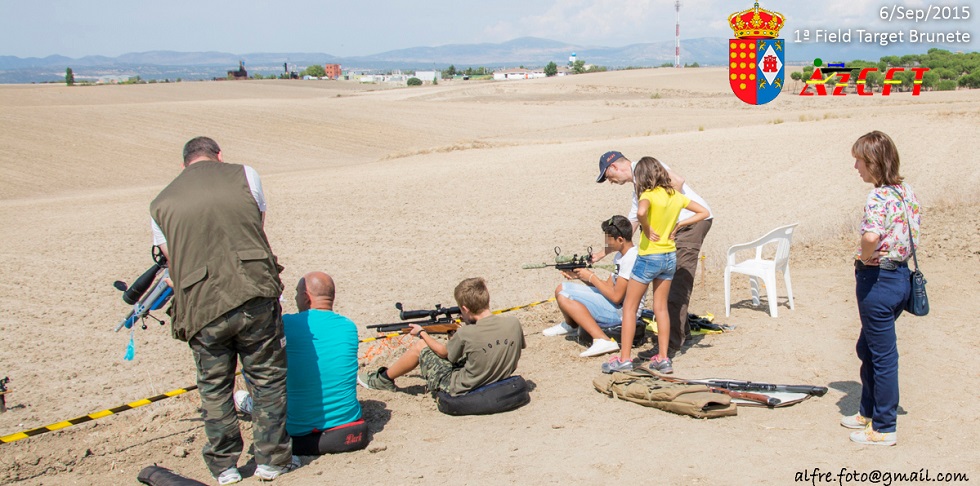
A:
749, 386
140, 295
766, 400
567, 263
438, 320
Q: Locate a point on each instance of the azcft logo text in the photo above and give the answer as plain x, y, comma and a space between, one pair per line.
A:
843, 77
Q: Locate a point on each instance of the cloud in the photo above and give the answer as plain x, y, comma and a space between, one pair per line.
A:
602, 22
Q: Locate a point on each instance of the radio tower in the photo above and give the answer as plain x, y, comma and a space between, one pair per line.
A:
677, 36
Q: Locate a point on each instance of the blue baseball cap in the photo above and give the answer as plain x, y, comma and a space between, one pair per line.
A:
605, 161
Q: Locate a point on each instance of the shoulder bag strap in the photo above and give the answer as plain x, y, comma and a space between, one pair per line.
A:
908, 221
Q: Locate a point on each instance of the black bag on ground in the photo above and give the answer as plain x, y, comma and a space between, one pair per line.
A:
615, 331
500, 396
161, 476
343, 438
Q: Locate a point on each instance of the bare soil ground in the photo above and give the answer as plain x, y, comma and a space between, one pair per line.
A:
400, 193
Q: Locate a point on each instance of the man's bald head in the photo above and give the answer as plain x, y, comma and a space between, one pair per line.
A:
316, 290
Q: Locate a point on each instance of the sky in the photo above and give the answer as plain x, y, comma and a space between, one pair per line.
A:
40, 28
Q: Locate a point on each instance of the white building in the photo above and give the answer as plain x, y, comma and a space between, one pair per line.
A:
428, 76
519, 73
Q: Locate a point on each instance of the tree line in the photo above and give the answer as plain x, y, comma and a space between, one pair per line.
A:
947, 70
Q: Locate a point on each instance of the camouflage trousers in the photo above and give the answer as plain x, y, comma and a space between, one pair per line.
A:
254, 334
435, 369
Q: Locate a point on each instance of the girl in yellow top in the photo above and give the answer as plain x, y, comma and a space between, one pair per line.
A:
659, 206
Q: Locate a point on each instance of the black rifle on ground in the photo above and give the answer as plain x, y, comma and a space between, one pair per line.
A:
439, 320
749, 386
568, 263
766, 400
138, 296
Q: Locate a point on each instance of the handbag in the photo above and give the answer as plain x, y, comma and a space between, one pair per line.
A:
918, 303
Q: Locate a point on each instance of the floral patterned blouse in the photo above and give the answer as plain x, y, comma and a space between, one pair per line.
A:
885, 215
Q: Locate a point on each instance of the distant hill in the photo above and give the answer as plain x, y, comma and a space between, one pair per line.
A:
526, 51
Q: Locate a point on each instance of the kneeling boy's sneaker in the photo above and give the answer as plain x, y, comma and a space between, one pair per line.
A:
614, 365
375, 380
871, 437
662, 365
856, 421
559, 329
266, 472
600, 346
229, 476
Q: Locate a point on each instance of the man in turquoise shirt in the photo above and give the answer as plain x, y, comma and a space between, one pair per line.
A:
322, 411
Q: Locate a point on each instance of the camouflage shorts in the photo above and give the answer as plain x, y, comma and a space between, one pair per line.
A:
435, 370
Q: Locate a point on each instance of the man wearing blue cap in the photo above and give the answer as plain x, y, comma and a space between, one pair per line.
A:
617, 169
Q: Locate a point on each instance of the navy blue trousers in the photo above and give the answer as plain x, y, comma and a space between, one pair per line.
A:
881, 297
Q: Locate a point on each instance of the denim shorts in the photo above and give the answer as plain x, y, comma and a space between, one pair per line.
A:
659, 266
603, 311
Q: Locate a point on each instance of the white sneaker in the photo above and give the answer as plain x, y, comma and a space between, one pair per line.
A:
600, 346
558, 330
267, 473
856, 421
229, 476
243, 402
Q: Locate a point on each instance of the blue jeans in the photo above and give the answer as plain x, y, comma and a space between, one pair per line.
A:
603, 311
660, 266
881, 296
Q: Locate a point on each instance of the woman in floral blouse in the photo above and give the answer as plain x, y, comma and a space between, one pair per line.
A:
891, 221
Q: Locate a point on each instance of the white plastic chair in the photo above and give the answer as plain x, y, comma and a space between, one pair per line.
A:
759, 267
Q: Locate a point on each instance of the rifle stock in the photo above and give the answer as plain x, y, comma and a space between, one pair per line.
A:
752, 397
404, 327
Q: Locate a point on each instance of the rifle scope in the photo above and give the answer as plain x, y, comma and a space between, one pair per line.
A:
135, 292
422, 314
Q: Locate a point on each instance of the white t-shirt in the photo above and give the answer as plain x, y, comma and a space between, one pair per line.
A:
624, 262
624, 265
685, 190
254, 185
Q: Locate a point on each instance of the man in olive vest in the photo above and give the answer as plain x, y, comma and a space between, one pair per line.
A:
209, 224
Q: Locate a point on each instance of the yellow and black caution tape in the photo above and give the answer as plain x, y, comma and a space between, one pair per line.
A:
525, 306
95, 415
386, 336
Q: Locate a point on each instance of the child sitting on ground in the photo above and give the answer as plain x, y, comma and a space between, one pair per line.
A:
595, 303
477, 355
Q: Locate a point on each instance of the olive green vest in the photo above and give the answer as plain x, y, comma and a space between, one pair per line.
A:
219, 255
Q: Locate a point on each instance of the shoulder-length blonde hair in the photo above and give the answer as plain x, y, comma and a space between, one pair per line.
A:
651, 174
880, 156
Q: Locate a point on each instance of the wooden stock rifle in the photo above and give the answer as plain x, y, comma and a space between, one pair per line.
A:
440, 320
744, 395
